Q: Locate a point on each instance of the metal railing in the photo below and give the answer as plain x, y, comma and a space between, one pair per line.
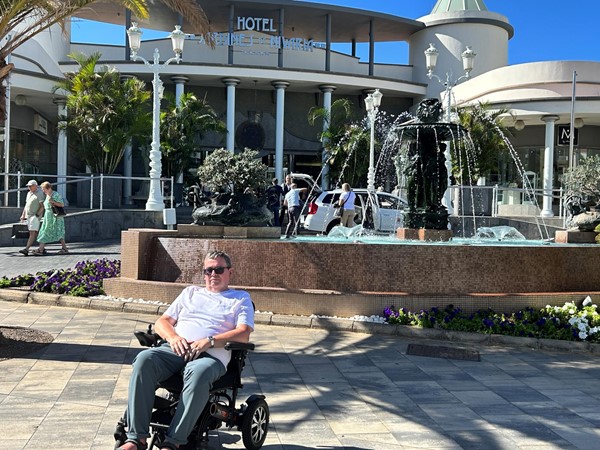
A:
56, 181
504, 195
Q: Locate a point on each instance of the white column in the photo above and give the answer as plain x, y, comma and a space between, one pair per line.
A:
7, 109
548, 165
179, 81
280, 86
327, 90
231, 83
61, 153
155, 198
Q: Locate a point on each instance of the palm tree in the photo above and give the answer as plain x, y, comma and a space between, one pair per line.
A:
103, 112
489, 146
20, 20
182, 128
345, 141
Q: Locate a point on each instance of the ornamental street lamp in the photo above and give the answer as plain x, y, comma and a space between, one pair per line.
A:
155, 198
468, 57
372, 103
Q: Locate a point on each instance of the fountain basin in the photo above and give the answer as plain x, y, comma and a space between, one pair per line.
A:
305, 276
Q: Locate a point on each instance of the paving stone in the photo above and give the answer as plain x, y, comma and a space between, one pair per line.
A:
326, 388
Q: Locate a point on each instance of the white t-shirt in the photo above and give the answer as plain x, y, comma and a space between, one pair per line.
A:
293, 197
349, 197
200, 313
33, 201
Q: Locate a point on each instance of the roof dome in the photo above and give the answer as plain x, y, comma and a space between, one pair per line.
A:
458, 5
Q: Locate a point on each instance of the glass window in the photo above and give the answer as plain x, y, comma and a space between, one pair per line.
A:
389, 202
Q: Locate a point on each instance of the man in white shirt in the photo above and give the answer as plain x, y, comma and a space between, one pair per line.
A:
196, 327
33, 211
285, 187
294, 205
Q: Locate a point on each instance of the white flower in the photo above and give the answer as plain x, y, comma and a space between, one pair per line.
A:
573, 320
572, 311
582, 335
582, 326
587, 301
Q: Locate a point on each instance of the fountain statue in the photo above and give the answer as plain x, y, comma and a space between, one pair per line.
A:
425, 170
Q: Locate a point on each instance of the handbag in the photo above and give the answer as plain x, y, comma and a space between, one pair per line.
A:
339, 209
58, 211
20, 231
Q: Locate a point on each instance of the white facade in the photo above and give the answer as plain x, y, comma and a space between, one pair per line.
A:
295, 76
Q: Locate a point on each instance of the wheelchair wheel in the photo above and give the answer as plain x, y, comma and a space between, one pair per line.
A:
255, 424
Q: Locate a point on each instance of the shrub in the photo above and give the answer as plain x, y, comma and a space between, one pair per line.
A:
567, 322
84, 280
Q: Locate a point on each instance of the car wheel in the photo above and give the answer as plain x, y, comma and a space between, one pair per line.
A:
333, 223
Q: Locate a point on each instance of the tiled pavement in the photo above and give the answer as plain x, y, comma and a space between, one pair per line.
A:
326, 389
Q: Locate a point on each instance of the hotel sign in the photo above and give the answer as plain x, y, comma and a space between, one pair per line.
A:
247, 41
564, 135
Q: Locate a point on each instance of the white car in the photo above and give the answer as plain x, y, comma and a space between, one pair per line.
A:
379, 211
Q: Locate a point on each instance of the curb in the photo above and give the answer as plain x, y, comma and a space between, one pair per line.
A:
332, 324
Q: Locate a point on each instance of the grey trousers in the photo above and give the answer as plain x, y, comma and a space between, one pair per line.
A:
157, 364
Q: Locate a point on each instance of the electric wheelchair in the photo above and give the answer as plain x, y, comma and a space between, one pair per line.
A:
252, 418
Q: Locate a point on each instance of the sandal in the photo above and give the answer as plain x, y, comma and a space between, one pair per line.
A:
63, 251
138, 445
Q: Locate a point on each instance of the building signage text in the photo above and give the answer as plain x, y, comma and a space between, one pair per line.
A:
245, 40
564, 135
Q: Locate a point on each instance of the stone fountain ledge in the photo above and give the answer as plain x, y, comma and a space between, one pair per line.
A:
357, 324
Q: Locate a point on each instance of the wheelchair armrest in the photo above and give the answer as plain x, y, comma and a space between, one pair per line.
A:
239, 346
148, 338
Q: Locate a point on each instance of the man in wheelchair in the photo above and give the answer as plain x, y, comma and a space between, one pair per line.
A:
194, 331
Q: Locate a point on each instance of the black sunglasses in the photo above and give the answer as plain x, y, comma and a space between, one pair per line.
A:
218, 270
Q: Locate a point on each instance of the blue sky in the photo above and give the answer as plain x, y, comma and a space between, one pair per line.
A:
544, 29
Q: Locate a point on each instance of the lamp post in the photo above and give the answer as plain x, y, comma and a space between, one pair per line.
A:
372, 103
134, 34
468, 57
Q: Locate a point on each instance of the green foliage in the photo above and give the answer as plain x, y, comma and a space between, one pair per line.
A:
224, 171
568, 322
485, 128
583, 180
21, 280
85, 279
182, 129
345, 140
103, 112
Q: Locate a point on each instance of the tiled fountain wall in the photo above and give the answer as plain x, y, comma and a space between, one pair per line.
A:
289, 277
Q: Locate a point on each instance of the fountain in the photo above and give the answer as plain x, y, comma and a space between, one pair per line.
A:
426, 171
500, 233
351, 275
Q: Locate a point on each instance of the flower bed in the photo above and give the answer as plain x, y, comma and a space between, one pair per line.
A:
567, 322
84, 280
